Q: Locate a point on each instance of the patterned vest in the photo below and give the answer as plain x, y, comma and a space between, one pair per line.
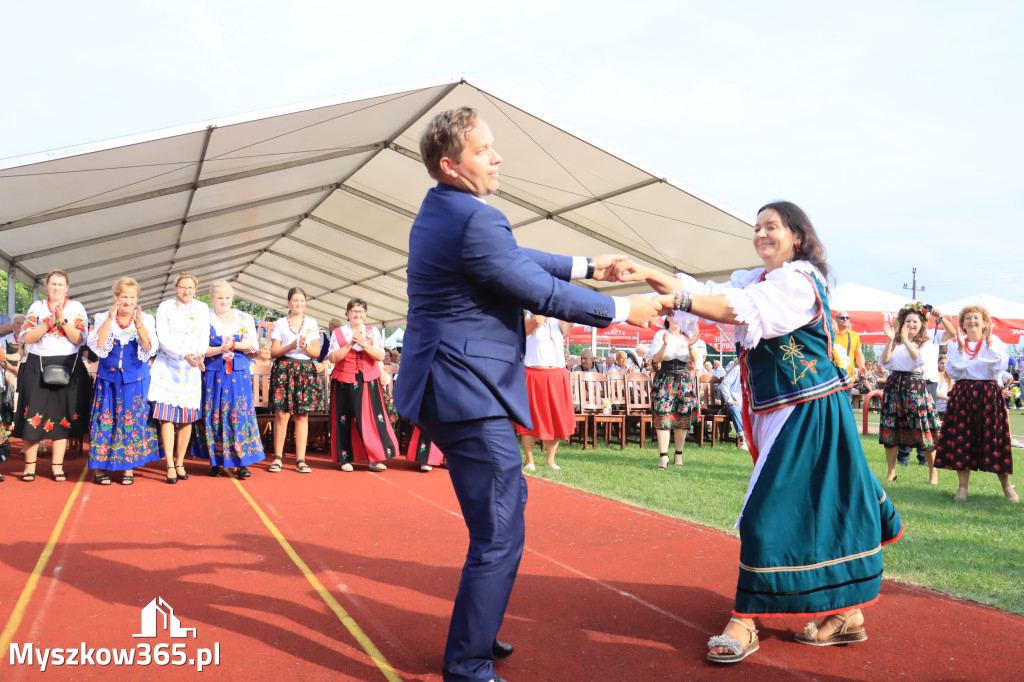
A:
795, 367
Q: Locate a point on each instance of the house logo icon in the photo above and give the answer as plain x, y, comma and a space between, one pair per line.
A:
151, 620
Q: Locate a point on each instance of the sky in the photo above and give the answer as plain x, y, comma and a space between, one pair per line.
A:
895, 125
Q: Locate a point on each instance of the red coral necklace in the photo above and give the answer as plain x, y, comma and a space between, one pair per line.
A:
972, 354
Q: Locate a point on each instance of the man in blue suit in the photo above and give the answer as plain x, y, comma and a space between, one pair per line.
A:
463, 379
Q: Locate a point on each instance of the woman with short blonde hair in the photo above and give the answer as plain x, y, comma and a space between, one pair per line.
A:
122, 434
227, 434
976, 430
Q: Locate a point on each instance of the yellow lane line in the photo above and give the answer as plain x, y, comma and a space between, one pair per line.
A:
350, 624
33, 580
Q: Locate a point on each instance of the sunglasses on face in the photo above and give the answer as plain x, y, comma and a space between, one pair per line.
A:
843, 317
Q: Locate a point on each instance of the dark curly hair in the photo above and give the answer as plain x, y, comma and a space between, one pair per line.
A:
796, 221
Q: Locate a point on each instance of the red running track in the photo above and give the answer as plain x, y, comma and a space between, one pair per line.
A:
606, 591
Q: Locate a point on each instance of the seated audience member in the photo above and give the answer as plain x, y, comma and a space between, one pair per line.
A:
639, 357
732, 396
588, 364
262, 357
624, 363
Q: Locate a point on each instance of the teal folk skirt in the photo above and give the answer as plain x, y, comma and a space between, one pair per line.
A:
815, 520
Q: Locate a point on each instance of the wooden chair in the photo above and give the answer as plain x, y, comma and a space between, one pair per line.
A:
320, 420
261, 401
638, 405
711, 413
579, 434
593, 392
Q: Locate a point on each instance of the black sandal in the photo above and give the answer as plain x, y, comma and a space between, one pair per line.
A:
127, 479
276, 465
27, 476
302, 467
243, 472
216, 471
101, 479
59, 477
174, 480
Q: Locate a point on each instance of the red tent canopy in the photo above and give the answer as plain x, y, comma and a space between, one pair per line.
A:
614, 335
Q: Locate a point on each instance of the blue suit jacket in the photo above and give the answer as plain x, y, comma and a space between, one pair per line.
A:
468, 284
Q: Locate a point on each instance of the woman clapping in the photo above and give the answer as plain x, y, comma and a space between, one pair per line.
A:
360, 427
52, 403
295, 388
227, 434
976, 430
908, 411
122, 435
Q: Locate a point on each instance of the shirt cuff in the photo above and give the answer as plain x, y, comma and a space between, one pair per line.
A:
579, 267
621, 308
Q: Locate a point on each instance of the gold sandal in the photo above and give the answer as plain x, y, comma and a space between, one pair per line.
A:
737, 652
846, 634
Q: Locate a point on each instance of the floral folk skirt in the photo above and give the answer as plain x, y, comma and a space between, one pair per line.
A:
122, 435
673, 400
908, 414
295, 387
976, 430
52, 412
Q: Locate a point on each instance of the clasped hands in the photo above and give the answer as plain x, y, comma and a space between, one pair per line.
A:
643, 309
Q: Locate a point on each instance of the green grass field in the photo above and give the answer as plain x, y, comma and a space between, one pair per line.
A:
971, 550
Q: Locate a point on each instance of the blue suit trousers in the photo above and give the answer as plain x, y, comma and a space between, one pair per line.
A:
484, 464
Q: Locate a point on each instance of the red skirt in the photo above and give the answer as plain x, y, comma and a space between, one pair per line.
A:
551, 409
422, 450
976, 430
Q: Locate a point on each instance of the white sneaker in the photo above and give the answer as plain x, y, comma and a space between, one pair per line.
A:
346, 467
555, 467
426, 467
530, 467
377, 466
743, 445
1014, 443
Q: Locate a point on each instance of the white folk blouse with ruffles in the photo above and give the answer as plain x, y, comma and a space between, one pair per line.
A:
783, 301
900, 360
125, 336
986, 366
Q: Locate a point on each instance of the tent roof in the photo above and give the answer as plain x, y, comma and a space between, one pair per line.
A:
321, 195
857, 297
996, 307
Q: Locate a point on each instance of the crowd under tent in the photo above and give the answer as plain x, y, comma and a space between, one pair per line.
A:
322, 195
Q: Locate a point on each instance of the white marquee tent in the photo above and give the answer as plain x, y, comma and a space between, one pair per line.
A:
322, 195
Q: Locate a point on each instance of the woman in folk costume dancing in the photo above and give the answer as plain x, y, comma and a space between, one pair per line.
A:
361, 429
815, 517
976, 430
176, 383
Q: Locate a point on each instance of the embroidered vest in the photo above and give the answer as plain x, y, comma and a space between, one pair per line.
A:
795, 367
215, 363
122, 362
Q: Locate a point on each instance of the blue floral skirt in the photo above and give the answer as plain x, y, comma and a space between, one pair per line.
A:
228, 435
122, 434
